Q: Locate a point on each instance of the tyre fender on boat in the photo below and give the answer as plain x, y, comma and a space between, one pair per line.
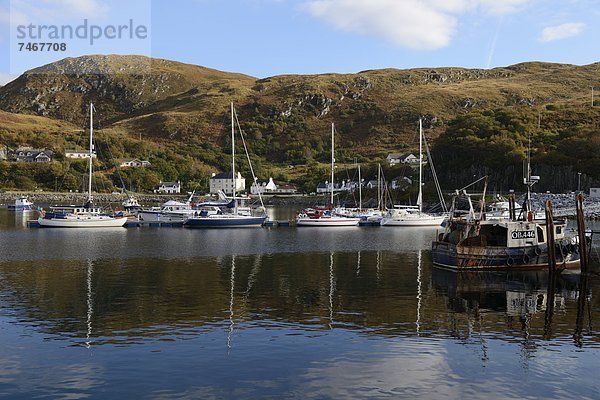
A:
526, 258
510, 261
538, 250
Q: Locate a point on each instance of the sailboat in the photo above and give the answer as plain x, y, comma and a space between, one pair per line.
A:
326, 216
241, 217
413, 215
85, 216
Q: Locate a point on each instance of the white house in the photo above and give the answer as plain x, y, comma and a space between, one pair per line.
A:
399, 158
595, 192
134, 163
286, 189
345, 186
78, 154
168, 187
263, 186
224, 181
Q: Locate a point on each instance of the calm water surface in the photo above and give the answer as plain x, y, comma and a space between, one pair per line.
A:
281, 313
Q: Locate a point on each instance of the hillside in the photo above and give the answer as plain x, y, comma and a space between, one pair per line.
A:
181, 111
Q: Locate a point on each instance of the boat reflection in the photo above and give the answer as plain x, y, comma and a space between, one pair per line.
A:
516, 293
105, 301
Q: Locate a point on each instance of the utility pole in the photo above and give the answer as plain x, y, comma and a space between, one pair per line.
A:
578, 182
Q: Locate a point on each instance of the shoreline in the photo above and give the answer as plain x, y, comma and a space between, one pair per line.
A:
67, 198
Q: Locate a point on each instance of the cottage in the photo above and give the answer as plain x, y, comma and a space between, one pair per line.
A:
78, 154
286, 189
263, 186
224, 181
399, 158
28, 154
134, 163
168, 187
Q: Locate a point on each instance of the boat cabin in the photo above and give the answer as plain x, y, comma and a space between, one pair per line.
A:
511, 234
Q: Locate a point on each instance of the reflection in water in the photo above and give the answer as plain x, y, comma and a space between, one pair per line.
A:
90, 304
231, 323
477, 333
419, 292
331, 289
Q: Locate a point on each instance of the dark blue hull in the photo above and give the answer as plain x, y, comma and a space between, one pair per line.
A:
233, 222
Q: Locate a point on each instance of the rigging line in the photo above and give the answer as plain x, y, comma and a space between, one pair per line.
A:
473, 183
112, 157
435, 178
248, 156
62, 182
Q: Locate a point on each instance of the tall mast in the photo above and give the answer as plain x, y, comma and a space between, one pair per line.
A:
332, 159
233, 159
420, 198
379, 187
91, 152
359, 190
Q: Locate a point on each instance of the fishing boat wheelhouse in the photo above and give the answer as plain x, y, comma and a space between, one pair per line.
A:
502, 244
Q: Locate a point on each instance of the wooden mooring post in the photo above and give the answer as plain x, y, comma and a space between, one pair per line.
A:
583, 248
551, 270
550, 236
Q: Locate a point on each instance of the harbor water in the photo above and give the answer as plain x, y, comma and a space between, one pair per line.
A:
285, 312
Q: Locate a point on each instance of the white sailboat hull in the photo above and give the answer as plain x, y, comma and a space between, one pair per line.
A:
83, 222
327, 222
422, 221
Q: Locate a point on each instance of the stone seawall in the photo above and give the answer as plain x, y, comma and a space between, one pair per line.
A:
146, 199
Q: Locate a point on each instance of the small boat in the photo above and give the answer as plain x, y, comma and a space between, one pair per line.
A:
85, 216
238, 217
22, 204
171, 211
413, 216
474, 242
131, 205
326, 216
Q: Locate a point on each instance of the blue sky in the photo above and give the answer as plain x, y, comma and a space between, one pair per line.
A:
271, 37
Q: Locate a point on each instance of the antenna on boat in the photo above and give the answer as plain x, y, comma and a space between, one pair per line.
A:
528, 180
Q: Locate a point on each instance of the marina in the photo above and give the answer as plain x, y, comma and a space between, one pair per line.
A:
300, 200
280, 313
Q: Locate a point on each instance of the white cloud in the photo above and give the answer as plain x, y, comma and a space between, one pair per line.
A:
417, 24
562, 31
408, 23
